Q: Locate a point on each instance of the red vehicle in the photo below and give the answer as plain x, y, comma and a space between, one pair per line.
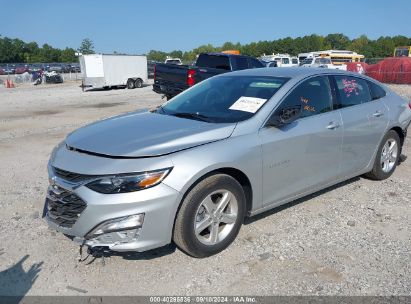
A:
22, 69
2, 72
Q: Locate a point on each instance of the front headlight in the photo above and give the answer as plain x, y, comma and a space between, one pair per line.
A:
128, 183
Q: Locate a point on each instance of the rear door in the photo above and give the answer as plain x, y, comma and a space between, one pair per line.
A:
364, 122
305, 154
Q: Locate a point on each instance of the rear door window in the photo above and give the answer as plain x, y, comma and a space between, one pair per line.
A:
213, 61
254, 63
376, 91
241, 62
352, 91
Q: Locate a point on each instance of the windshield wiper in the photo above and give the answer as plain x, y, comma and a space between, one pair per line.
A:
196, 116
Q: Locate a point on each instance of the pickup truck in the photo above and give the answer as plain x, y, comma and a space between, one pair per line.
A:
170, 80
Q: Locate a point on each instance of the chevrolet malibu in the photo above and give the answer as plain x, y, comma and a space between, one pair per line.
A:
231, 147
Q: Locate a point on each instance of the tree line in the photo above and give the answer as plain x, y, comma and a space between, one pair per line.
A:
16, 50
378, 48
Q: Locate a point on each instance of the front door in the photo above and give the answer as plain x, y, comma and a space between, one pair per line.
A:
306, 153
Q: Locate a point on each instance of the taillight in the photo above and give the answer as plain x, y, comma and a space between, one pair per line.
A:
409, 105
190, 77
155, 72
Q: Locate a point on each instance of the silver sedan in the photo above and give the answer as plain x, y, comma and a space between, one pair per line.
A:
232, 146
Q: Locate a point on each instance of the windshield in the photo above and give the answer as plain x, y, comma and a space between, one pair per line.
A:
224, 99
286, 61
307, 61
323, 60
402, 52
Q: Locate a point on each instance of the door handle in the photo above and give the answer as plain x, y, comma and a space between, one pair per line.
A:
332, 125
378, 114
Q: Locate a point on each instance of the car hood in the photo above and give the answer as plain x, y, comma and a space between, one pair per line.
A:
145, 134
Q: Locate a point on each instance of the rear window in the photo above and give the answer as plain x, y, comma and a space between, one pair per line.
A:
214, 61
376, 91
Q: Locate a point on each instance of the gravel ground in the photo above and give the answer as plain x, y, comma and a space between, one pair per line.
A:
351, 239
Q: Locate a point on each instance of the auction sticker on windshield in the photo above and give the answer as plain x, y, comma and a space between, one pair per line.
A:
248, 104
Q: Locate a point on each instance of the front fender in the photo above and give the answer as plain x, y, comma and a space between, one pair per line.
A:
241, 152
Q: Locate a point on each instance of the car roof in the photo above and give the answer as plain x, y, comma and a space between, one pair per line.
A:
290, 72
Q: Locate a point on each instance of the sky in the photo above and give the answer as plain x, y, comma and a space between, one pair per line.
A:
135, 27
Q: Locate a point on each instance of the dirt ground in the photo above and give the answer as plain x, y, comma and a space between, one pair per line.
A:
352, 239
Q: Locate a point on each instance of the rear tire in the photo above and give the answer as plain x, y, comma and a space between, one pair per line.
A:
210, 216
130, 84
387, 157
138, 83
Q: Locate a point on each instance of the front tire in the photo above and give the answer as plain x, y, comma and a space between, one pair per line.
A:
210, 216
387, 157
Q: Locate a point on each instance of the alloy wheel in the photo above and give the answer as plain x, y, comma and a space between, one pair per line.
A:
389, 155
215, 217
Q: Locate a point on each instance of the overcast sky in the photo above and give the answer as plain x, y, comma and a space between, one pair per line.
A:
135, 27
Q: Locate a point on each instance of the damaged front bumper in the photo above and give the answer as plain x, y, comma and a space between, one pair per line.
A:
135, 221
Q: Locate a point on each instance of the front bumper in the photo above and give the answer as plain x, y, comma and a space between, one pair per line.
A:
159, 205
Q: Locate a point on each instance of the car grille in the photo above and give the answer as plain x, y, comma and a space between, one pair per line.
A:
63, 207
70, 176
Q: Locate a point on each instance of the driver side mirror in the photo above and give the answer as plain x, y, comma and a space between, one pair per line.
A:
285, 116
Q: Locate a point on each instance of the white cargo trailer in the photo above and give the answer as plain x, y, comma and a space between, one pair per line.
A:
104, 71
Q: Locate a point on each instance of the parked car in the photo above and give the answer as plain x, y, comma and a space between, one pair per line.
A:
10, 69
170, 80
232, 146
270, 64
75, 68
283, 60
21, 69
35, 67
322, 62
2, 71
53, 77
55, 68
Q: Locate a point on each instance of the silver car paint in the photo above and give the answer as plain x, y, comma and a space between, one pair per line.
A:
281, 164
146, 134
